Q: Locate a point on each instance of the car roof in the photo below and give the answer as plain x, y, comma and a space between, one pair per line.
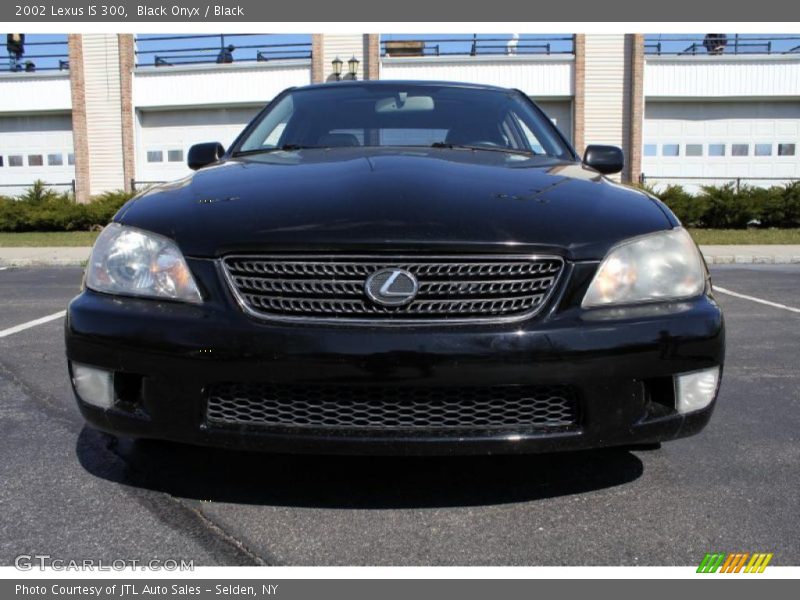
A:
402, 82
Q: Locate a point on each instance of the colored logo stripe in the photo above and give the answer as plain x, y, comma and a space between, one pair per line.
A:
734, 562
758, 563
711, 562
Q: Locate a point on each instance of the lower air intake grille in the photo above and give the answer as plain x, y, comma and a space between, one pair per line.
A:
402, 408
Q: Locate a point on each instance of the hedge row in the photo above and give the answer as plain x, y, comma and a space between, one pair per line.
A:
723, 207
716, 207
43, 209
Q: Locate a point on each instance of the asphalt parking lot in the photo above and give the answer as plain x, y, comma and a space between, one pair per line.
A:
72, 492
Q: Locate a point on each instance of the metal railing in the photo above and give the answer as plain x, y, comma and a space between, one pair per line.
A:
715, 45
477, 45
737, 182
26, 186
138, 185
40, 55
173, 50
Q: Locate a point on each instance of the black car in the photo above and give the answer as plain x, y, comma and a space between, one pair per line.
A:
397, 267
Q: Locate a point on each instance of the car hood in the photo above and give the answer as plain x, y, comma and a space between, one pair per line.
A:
362, 199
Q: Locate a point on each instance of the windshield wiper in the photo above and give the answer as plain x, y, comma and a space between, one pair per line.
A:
504, 149
284, 148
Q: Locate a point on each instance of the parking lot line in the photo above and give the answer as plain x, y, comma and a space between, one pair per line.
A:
754, 299
23, 326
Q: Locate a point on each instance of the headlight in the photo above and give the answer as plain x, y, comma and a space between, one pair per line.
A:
660, 266
133, 262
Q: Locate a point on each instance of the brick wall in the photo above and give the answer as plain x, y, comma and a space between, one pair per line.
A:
317, 57
127, 60
579, 100
372, 54
636, 107
79, 130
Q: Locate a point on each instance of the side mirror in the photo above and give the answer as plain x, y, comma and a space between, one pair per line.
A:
606, 159
201, 155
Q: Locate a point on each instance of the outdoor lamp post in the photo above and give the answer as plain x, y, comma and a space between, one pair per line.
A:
352, 65
337, 68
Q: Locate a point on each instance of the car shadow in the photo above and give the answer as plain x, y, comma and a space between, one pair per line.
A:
352, 482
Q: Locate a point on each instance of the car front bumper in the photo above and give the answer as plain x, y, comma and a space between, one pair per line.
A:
620, 362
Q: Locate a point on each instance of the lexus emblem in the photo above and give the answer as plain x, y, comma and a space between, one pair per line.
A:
391, 287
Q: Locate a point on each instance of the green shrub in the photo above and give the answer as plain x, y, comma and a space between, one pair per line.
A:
717, 207
778, 206
791, 196
43, 209
103, 207
39, 193
725, 207
689, 209
11, 217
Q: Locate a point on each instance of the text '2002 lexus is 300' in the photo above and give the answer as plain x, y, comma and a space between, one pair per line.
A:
397, 267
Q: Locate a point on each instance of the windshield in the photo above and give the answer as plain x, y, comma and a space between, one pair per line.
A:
404, 115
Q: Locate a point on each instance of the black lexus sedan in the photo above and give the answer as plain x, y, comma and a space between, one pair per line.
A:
397, 267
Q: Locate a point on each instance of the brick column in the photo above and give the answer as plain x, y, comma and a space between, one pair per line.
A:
579, 94
372, 55
636, 108
317, 58
127, 60
80, 138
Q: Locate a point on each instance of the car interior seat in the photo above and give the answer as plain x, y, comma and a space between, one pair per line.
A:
335, 140
474, 134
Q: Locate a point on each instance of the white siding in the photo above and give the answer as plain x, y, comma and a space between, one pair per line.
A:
345, 46
560, 112
538, 77
605, 89
32, 92
220, 85
722, 76
103, 111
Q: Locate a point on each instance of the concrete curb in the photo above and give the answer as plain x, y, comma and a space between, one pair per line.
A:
778, 254
752, 260
41, 257
35, 262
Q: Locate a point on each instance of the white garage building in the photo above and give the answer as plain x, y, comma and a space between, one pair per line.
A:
35, 131
713, 119
117, 120
164, 137
177, 107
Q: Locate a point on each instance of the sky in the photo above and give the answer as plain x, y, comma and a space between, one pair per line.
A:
39, 45
205, 48
45, 50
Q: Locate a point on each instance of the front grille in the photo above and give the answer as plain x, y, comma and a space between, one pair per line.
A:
542, 407
450, 288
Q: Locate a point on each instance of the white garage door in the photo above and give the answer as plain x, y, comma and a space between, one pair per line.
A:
35, 147
560, 112
164, 137
722, 140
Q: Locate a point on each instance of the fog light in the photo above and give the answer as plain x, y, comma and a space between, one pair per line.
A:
696, 390
94, 386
